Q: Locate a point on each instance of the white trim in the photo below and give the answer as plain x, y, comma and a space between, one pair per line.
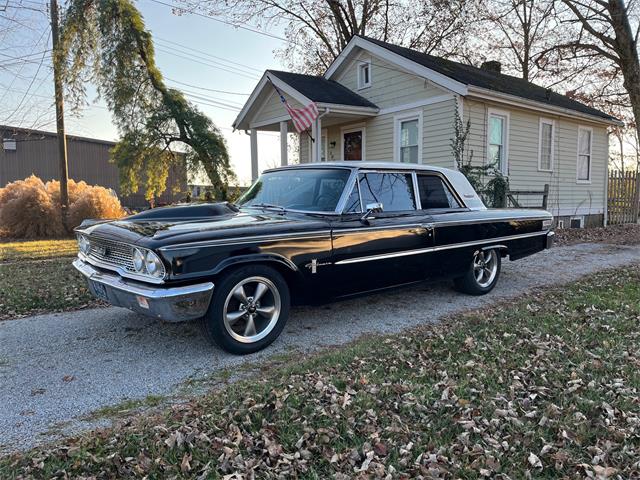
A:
354, 128
589, 129
504, 166
284, 87
402, 62
361, 83
546, 121
525, 103
397, 120
270, 121
417, 104
284, 150
353, 109
573, 211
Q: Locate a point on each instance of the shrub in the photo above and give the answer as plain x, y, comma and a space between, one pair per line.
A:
31, 209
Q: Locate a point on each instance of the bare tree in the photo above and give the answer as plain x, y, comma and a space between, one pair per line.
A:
606, 31
317, 30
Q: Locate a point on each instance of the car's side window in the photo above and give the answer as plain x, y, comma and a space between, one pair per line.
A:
353, 202
393, 190
434, 193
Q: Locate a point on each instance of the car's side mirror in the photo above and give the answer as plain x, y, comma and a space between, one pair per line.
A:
371, 209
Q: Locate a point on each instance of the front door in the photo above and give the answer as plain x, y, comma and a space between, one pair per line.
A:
353, 144
391, 247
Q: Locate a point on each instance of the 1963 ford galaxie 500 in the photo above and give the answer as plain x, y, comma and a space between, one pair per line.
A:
304, 233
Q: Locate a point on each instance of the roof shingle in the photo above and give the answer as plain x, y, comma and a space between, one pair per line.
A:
498, 82
321, 90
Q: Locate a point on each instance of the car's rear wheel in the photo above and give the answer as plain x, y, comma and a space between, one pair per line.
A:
483, 273
249, 309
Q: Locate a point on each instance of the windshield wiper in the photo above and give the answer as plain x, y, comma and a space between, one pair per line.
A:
267, 206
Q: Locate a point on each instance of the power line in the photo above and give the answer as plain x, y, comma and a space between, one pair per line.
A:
218, 67
28, 88
215, 62
189, 49
205, 88
210, 17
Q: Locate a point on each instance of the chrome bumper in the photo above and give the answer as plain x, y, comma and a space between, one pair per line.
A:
173, 304
550, 237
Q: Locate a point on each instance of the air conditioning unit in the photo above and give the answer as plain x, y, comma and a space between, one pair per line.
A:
9, 144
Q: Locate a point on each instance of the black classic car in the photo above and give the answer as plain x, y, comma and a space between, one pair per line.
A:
304, 234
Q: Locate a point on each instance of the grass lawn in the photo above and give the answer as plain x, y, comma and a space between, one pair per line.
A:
547, 386
37, 249
31, 287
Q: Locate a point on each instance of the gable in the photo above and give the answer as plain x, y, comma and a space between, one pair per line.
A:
273, 108
391, 86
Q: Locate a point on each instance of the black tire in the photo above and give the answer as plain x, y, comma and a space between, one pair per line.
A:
235, 336
469, 282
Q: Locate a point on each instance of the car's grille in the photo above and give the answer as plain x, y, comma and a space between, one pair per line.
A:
112, 253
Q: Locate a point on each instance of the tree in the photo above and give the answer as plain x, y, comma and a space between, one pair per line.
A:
106, 42
317, 30
602, 30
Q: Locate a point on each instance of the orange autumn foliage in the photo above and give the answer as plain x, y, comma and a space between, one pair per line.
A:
30, 208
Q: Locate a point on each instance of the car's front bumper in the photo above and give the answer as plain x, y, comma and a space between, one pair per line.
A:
550, 237
173, 304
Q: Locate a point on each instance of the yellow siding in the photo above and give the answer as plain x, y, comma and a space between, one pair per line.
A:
274, 108
390, 86
567, 197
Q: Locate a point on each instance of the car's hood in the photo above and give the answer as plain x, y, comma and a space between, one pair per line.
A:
181, 224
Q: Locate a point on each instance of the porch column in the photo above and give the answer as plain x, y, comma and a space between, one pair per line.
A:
283, 144
254, 154
318, 139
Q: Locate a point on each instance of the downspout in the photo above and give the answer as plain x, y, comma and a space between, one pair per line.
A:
318, 139
605, 219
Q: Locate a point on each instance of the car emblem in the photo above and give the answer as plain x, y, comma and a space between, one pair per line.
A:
102, 250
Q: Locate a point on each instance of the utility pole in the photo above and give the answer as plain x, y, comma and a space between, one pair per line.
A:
59, 95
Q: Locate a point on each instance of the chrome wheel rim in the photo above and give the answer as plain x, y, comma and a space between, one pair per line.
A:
485, 267
251, 309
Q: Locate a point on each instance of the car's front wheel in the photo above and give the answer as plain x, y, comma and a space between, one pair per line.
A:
249, 309
483, 273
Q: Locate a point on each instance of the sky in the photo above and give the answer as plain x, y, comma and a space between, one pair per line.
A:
190, 49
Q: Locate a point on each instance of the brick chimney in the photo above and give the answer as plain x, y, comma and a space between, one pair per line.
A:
491, 66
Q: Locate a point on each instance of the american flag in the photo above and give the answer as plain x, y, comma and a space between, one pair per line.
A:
302, 118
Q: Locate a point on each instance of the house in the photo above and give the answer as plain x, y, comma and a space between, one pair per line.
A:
379, 101
26, 151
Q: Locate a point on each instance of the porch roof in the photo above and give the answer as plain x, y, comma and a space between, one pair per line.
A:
328, 95
320, 90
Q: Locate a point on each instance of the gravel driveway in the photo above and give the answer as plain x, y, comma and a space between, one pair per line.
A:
55, 369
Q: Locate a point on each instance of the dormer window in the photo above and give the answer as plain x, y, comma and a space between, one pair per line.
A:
364, 74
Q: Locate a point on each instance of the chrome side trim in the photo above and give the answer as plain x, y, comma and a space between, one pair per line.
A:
419, 251
243, 240
121, 271
322, 233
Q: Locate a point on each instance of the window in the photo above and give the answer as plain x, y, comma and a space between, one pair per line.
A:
497, 141
305, 189
434, 193
393, 190
9, 144
407, 138
353, 144
545, 145
576, 222
353, 202
583, 168
364, 74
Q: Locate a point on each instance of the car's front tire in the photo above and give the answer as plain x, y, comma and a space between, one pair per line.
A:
483, 273
248, 310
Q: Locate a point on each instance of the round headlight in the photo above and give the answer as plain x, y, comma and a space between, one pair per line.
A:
83, 244
154, 265
138, 260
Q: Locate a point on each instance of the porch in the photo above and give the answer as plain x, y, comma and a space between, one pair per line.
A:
265, 111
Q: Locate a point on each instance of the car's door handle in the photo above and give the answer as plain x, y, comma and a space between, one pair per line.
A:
424, 229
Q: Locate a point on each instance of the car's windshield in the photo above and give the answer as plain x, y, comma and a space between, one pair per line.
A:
305, 189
